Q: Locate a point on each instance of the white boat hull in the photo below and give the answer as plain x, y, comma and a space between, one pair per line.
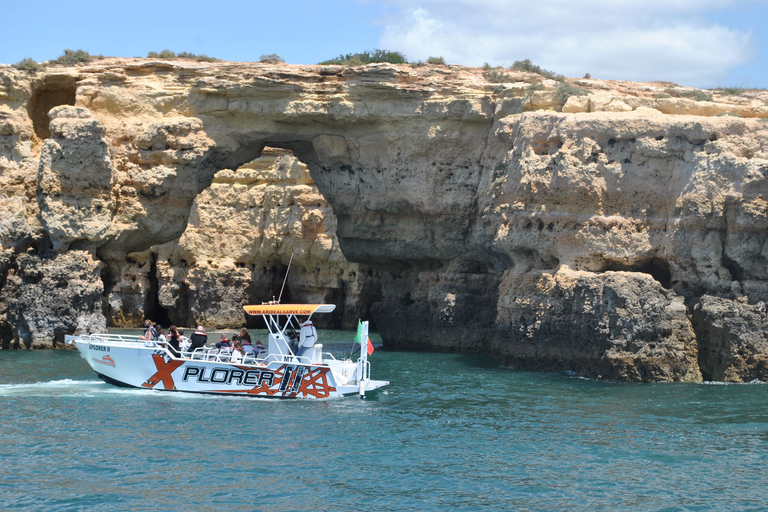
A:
138, 366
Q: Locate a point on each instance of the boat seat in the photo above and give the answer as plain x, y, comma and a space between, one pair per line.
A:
224, 355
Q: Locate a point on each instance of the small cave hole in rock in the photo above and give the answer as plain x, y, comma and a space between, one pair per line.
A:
737, 273
53, 92
657, 268
152, 308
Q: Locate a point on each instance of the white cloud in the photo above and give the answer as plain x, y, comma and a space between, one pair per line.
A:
622, 40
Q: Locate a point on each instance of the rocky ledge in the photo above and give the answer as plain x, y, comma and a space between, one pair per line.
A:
613, 229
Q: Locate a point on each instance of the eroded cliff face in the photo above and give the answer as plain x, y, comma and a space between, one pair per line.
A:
619, 233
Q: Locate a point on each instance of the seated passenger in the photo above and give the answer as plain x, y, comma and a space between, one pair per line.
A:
174, 341
258, 347
224, 342
243, 337
237, 352
198, 338
183, 341
150, 333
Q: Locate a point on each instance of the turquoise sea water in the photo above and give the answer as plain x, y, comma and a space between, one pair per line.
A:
450, 433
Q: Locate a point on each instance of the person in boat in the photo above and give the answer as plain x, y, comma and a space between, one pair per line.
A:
244, 338
198, 338
237, 352
160, 335
174, 341
257, 348
307, 337
183, 340
224, 343
150, 333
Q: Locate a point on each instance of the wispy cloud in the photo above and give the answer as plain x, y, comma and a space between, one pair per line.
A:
623, 40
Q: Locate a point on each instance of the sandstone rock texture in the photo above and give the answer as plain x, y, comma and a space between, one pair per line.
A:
612, 229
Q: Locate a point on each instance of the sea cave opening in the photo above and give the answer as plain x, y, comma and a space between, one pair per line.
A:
152, 308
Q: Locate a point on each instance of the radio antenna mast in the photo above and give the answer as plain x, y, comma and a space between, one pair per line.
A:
285, 279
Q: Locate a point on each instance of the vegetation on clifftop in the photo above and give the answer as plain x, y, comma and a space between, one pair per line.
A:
69, 58
271, 58
168, 54
73, 57
367, 57
29, 65
530, 67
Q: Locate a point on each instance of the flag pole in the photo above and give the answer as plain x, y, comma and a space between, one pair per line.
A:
362, 363
285, 279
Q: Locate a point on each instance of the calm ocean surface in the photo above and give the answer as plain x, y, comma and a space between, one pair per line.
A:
450, 433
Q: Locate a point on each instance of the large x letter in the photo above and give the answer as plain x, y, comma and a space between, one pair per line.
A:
163, 373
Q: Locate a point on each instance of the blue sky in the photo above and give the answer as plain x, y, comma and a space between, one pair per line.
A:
704, 43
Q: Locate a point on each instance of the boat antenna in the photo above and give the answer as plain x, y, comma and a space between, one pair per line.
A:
285, 279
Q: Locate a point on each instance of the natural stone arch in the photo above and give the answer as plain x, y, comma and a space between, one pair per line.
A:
242, 230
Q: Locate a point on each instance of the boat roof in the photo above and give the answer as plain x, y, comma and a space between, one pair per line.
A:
289, 309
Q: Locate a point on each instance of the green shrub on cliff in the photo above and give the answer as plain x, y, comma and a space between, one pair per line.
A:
696, 95
201, 57
29, 65
566, 90
731, 91
496, 77
272, 58
168, 54
165, 54
72, 57
530, 67
436, 61
366, 57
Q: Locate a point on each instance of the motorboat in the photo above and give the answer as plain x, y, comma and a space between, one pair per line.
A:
276, 372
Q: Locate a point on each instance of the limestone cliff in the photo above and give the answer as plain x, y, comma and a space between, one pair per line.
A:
613, 229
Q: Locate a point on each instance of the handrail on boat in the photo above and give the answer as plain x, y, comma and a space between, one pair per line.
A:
209, 353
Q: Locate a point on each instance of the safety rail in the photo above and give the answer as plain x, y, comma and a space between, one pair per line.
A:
111, 338
208, 353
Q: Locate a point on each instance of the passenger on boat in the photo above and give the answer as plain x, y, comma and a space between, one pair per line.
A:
224, 349
307, 337
174, 341
258, 347
243, 337
183, 341
160, 335
237, 352
150, 333
223, 343
198, 338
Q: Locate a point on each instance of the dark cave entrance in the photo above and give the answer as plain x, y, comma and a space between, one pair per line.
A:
657, 268
152, 308
55, 91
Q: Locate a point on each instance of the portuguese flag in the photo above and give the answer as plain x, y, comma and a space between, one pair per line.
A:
359, 338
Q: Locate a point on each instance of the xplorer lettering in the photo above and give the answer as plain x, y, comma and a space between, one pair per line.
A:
229, 376
101, 348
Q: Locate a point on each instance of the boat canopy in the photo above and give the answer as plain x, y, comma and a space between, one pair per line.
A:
289, 309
